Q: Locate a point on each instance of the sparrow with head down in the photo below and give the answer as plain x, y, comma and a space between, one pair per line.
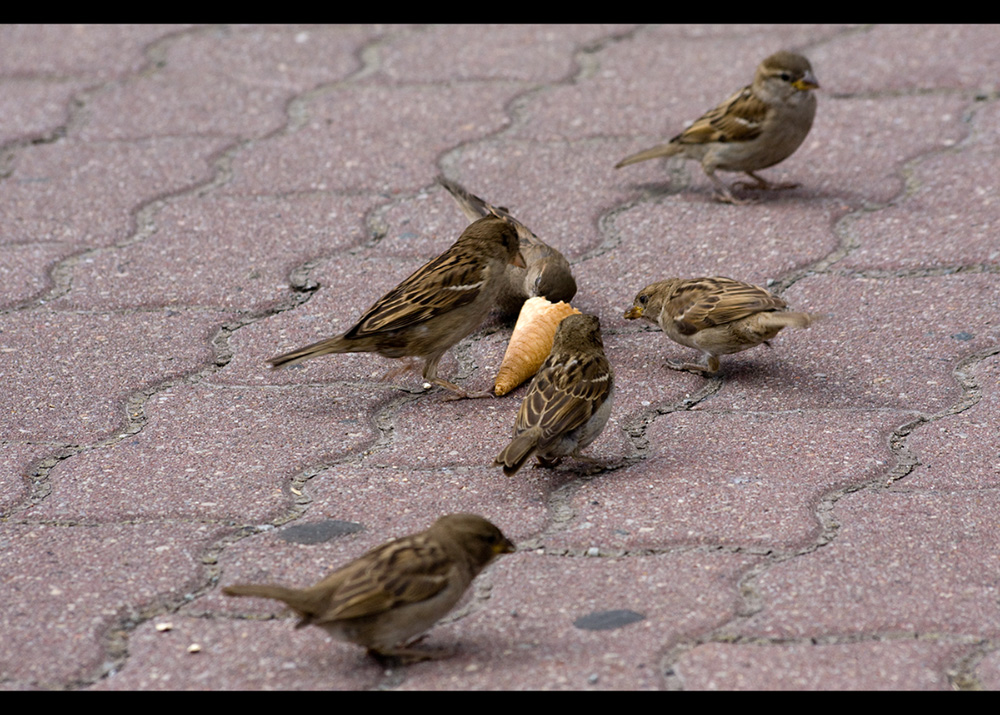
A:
395, 592
717, 316
568, 402
759, 126
546, 274
435, 307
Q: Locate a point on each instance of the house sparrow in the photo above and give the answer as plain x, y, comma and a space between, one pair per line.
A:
395, 591
547, 274
569, 400
759, 126
435, 307
718, 316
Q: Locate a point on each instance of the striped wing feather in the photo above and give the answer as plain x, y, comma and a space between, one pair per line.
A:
739, 118
397, 573
716, 301
564, 398
448, 282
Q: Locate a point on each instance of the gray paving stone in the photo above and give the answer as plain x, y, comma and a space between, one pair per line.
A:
959, 451
761, 487
182, 202
68, 590
218, 253
934, 578
207, 453
209, 85
903, 664
224, 654
76, 370
530, 637
31, 109
373, 138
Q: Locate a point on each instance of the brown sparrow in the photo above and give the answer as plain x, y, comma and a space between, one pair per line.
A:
547, 274
434, 308
569, 400
759, 126
718, 316
396, 591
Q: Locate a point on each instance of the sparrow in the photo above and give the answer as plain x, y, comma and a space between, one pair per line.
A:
547, 272
438, 305
569, 400
759, 126
718, 316
396, 591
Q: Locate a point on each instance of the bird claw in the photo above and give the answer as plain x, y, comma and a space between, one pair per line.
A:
760, 184
541, 462
407, 655
689, 367
459, 393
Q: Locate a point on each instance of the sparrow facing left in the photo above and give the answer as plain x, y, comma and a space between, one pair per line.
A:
396, 591
569, 400
547, 273
718, 316
759, 126
434, 308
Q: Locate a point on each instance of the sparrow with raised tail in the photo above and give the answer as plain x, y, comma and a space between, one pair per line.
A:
718, 316
434, 308
547, 273
396, 591
759, 126
569, 400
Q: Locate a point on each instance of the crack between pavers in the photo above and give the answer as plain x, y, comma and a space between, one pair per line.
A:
131, 616
905, 461
960, 674
115, 636
635, 425
143, 218
609, 248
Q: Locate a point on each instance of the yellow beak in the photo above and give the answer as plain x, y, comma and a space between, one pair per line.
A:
504, 547
807, 82
634, 312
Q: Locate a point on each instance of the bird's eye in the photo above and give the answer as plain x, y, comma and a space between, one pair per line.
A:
786, 77
643, 299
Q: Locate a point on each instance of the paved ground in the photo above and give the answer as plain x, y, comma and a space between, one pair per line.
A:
180, 203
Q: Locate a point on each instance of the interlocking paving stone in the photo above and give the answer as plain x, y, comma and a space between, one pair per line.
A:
182, 202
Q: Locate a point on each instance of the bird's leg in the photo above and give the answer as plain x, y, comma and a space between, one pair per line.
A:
703, 370
724, 194
430, 375
408, 364
406, 655
459, 393
762, 183
547, 463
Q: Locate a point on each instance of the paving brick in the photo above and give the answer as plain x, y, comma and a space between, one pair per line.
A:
182, 202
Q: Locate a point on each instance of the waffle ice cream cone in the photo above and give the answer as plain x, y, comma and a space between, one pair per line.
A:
531, 342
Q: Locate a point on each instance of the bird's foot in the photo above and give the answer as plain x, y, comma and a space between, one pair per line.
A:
691, 367
459, 393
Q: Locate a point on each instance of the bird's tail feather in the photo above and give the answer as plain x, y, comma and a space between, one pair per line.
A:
335, 344
519, 451
652, 153
787, 319
472, 206
298, 600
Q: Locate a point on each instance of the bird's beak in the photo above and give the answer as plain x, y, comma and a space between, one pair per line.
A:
634, 312
504, 547
519, 261
807, 82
